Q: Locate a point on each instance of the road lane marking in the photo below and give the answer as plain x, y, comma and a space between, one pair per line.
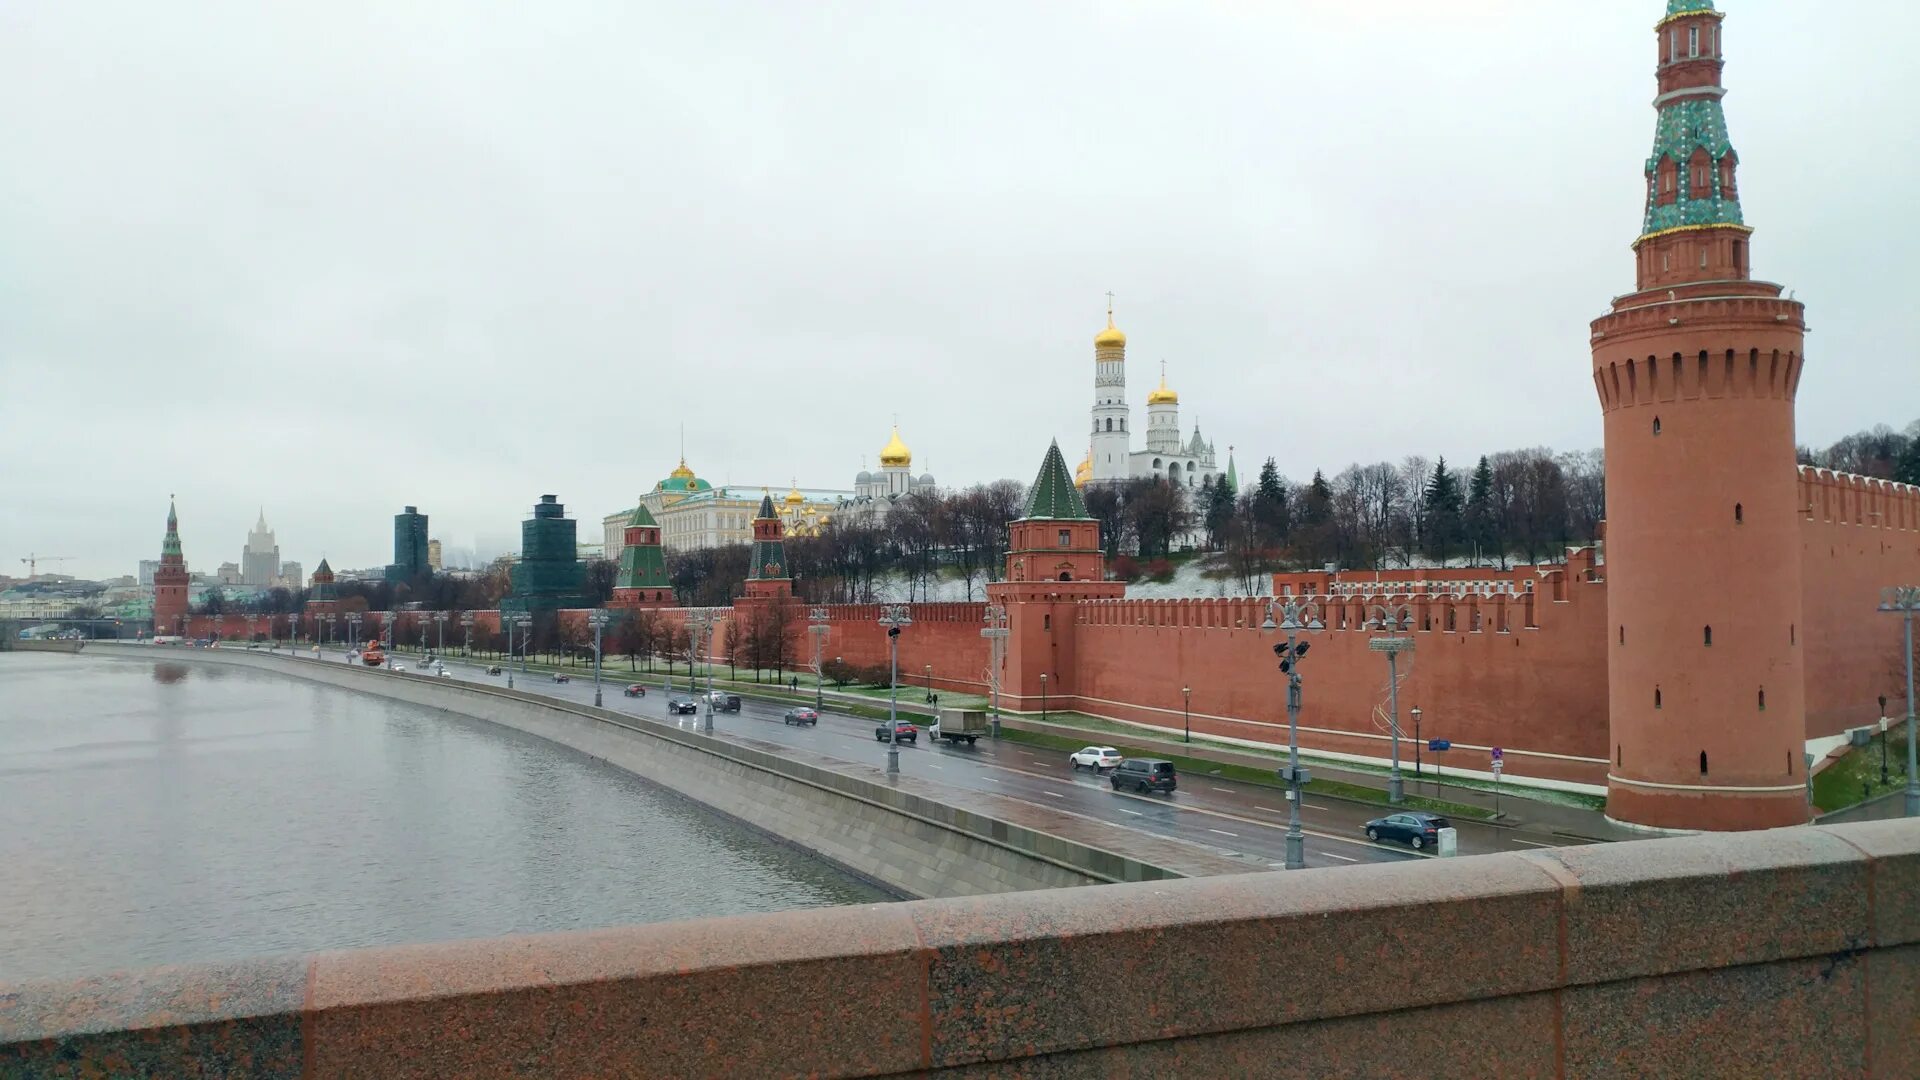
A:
1311, 806
1228, 790
1343, 858
1224, 832
1535, 843
1268, 809
1135, 813
1053, 794
931, 765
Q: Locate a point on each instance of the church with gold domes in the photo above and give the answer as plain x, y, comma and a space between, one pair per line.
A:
1111, 459
876, 490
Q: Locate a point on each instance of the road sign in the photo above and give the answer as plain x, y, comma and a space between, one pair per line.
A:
1437, 745
1498, 764
1497, 755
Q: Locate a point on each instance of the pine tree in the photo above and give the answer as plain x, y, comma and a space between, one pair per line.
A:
1907, 468
1318, 508
1217, 498
1482, 530
1270, 508
1444, 511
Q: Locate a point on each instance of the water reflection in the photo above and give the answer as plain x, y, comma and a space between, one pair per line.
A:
169, 673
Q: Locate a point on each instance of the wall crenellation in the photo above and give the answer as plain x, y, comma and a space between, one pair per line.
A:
1849, 499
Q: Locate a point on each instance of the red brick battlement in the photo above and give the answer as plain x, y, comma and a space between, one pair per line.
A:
1786, 953
1849, 499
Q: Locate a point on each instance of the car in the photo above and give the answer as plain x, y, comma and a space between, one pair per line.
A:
442, 672
397, 666
901, 731
1095, 758
253, 646
801, 715
681, 703
1145, 775
493, 669
726, 702
559, 676
635, 690
1416, 828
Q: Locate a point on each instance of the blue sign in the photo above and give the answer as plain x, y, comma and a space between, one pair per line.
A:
1439, 744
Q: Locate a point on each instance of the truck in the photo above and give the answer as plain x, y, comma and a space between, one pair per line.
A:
372, 656
956, 725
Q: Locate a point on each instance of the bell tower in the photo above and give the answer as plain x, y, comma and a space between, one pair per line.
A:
1696, 371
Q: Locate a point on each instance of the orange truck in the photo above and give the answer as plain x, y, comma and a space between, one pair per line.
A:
372, 656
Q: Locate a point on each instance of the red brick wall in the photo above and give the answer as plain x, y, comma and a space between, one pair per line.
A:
1860, 536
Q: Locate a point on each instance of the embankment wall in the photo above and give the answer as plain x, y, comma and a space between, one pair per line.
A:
1787, 953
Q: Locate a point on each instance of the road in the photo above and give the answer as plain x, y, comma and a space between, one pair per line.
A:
1241, 819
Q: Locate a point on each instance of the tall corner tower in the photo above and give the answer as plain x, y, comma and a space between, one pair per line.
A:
170, 581
643, 580
1110, 436
1696, 371
767, 572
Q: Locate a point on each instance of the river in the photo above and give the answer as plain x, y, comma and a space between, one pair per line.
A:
155, 812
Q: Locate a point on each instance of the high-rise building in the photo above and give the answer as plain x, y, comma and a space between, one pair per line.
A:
292, 575
433, 554
409, 545
260, 559
147, 567
1696, 371
228, 574
549, 574
170, 581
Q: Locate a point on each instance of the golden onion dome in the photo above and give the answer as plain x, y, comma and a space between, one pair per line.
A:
1163, 396
895, 453
1111, 337
794, 498
1084, 472
682, 472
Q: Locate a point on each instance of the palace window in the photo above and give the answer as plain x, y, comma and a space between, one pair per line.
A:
1066, 538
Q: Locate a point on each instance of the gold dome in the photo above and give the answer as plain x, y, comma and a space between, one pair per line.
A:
1163, 396
1111, 337
681, 473
895, 453
1084, 472
794, 498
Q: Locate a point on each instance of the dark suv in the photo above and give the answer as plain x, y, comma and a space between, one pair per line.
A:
727, 702
1144, 775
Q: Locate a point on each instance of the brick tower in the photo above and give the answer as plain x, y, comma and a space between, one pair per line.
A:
170, 582
767, 573
1054, 561
1696, 371
643, 566
323, 597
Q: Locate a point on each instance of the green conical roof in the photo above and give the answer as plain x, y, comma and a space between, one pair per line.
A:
1053, 496
1233, 475
323, 568
171, 545
1682, 7
766, 507
642, 518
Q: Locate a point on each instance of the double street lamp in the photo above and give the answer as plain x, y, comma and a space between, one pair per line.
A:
523, 620
1186, 714
1296, 617
353, 630
1395, 620
466, 623
996, 634
700, 633
1904, 601
894, 617
597, 618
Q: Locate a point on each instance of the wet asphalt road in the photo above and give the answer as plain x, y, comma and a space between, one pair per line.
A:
1227, 816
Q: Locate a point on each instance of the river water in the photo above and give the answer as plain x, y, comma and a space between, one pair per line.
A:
155, 812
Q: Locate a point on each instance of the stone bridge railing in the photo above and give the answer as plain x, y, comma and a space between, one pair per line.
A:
1786, 953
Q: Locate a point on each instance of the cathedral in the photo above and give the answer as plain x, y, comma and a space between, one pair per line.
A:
1187, 462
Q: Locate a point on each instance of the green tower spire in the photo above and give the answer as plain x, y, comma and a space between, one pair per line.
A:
642, 566
1689, 171
1684, 7
769, 559
1053, 496
171, 545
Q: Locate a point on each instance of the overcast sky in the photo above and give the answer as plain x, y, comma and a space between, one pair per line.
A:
336, 258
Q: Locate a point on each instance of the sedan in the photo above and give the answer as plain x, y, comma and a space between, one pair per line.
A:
1095, 758
681, 704
396, 666
801, 715
561, 677
493, 669
903, 731
635, 690
1416, 828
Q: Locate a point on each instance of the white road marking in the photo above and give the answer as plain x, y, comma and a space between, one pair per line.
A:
1228, 790
1268, 809
1342, 858
1535, 843
1135, 813
1224, 832
1311, 806
931, 765
1053, 794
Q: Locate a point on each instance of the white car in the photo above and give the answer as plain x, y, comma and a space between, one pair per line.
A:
1095, 758
442, 672
397, 667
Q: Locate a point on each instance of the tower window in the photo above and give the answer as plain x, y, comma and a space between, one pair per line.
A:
1673, 44
1793, 638
1656, 697
1693, 49
1716, 39
1763, 699
1623, 635
1656, 425
1616, 755
1703, 763
1739, 246
1739, 514
1707, 633
1066, 540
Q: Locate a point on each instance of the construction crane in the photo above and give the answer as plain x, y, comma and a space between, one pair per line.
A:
33, 563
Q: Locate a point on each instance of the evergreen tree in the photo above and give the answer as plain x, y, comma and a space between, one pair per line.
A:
1270, 510
1444, 511
1907, 468
1218, 501
1318, 503
1482, 527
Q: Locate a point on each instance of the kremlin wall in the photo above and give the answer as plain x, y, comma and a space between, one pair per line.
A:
1729, 622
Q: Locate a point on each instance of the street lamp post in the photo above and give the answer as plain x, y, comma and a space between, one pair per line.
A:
440, 632
1186, 714
466, 623
1417, 744
1904, 601
1043, 697
701, 624
293, 629
1395, 620
929, 684
597, 618
390, 629
422, 620
894, 617
996, 634
817, 629
525, 619
1296, 617
509, 621
353, 630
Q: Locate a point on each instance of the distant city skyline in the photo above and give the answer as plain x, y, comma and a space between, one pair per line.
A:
520, 270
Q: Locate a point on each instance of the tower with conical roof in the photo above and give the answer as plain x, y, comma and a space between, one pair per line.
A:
1110, 437
1696, 372
1054, 561
170, 581
767, 568
642, 581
